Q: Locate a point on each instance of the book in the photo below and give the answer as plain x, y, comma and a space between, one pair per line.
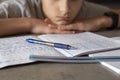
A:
113, 66
85, 43
15, 50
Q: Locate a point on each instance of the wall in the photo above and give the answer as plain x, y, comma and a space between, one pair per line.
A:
110, 3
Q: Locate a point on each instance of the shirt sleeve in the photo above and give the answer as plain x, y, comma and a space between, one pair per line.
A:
9, 9
20, 8
91, 10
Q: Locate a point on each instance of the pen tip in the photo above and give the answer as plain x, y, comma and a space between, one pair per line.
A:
72, 48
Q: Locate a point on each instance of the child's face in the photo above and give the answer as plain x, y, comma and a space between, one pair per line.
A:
61, 12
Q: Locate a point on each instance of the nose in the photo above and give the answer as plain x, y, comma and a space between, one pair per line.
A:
65, 9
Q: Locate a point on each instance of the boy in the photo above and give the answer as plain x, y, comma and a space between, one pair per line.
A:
53, 16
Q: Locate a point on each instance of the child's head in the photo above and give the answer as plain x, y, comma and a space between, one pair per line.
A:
61, 11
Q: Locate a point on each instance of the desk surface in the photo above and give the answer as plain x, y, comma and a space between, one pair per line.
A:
59, 71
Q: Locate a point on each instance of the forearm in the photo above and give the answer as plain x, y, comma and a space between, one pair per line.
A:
13, 26
105, 22
108, 22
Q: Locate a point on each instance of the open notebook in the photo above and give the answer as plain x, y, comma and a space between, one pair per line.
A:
15, 50
115, 66
85, 43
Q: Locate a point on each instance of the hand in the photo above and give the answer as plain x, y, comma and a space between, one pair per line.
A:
90, 24
46, 27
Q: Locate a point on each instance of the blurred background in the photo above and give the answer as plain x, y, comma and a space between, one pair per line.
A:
109, 3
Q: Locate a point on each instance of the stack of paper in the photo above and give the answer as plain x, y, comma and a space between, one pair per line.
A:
15, 50
115, 66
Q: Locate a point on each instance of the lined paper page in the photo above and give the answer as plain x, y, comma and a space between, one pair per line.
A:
16, 50
84, 42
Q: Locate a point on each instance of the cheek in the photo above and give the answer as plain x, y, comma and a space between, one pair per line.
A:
51, 15
50, 12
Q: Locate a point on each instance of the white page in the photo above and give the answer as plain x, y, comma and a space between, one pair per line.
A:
84, 42
115, 66
16, 50
116, 38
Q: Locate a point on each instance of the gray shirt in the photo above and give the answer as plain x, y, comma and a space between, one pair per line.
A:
32, 8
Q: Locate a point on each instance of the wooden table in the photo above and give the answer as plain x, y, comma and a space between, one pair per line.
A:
59, 71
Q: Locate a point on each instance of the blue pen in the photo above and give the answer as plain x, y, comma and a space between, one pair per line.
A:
57, 45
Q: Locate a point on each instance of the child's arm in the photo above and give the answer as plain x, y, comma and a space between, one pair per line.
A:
91, 24
13, 26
